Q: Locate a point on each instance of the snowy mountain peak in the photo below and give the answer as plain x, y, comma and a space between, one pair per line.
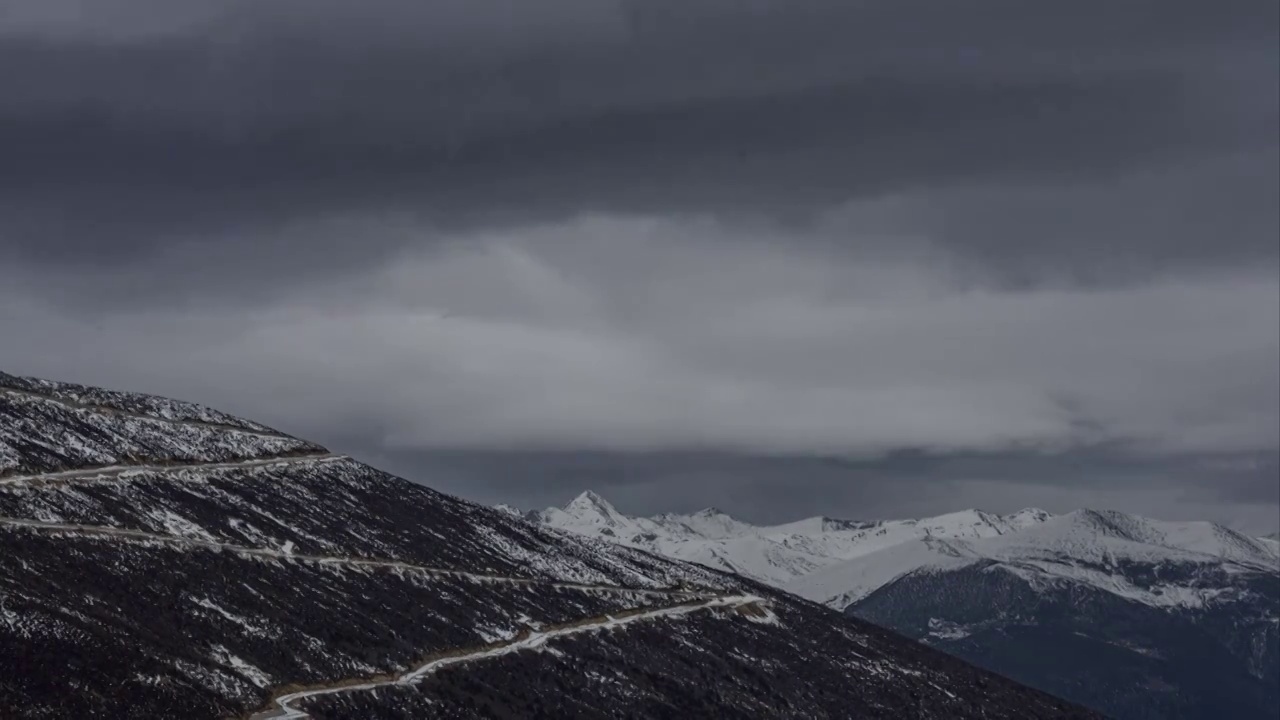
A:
1075, 547
716, 524
774, 553
589, 501
1111, 523
1091, 527
1027, 517
590, 514
977, 523
929, 577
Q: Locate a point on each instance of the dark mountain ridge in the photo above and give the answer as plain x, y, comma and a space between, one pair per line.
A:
162, 559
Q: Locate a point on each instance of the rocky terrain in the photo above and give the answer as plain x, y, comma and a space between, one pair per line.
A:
161, 559
1146, 619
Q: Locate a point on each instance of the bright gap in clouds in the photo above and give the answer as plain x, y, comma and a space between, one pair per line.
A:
635, 333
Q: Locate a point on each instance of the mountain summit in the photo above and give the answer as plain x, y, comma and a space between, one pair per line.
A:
774, 554
162, 559
589, 502
1173, 618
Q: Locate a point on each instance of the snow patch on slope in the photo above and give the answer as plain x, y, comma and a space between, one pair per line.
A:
226, 658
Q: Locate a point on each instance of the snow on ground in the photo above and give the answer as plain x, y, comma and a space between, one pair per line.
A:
249, 626
253, 674
536, 641
775, 554
1086, 547
841, 561
175, 524
1271, 544
845, 583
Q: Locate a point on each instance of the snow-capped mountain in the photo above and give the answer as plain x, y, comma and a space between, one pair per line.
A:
1088, 547
776, 554
159, 559
1146, 618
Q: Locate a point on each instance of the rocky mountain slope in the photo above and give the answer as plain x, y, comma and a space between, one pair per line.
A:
161, 559
1146, 619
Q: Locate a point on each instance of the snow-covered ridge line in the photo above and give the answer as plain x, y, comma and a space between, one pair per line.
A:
1152, 562
119, 412
376, 563
840, 562
282, 707
115, 471
772, 554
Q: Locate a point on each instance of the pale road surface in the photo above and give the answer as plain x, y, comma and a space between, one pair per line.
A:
280, 554
691, 601
117, 471
283, 706
144, 536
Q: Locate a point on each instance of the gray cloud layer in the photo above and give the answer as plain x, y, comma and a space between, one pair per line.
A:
839, 228
233, 111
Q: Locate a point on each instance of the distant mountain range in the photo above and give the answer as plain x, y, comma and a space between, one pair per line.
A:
1136, 617
160, 559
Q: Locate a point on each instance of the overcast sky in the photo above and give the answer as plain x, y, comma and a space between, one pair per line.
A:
859, 257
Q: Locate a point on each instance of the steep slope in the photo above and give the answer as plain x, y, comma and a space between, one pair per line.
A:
1148, 619
775, 554
160, 559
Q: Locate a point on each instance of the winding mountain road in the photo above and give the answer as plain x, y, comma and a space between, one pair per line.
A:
110, 472
284, 707
246, 551
677, 601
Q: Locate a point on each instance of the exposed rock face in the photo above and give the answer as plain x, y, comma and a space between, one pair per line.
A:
161, 559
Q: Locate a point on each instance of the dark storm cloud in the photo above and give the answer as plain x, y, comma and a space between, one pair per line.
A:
210, 119
779, 153
1000, 252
